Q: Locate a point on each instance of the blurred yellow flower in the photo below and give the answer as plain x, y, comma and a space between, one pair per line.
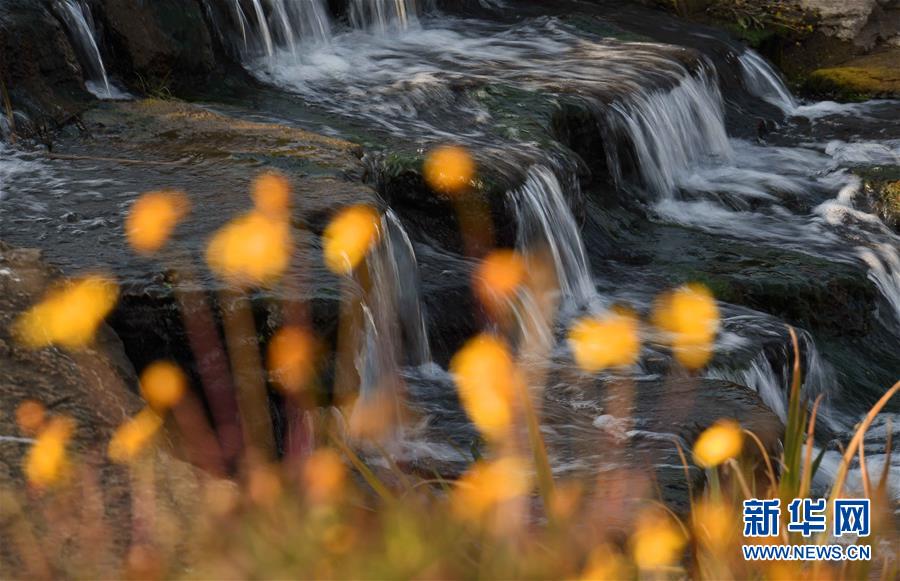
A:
264, 485
324, 475
254, 249
605, 564
690, 317
132, 437
152, 219
498, 277
163, 385
349, 236
610, 340
292, 359
488, 484
657, 540
30, 416
69, 315
46, 461
272, 194
713, 524
718, 443
449, 169
485, 376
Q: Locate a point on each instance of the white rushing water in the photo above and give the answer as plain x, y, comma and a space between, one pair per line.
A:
78, 21
765, 82
395, 330
673, 131
544, 217
382, 15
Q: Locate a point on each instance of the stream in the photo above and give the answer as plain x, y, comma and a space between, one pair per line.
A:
640, 161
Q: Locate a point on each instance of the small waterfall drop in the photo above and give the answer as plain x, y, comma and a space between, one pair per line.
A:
274, 25
544, 217
672, 132
764, 81
77, 19
380, 15
770, 375
395, 333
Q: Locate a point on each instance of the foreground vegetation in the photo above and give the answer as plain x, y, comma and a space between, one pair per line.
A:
335, 503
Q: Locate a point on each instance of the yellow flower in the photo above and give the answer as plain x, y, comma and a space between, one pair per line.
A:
608, 341
46, 461
713, 523
488, 484
324, 475
718, 443
272, 194
292, 358
349, 236
69, 315
498, 277
30, 416
264, 485
657, 541
163, 385
254, 249
605, 564
152, 219
449, 169
485, 376
132, 437
690, 317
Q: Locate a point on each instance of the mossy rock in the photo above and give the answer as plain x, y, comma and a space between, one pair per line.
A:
887, 203
875, 75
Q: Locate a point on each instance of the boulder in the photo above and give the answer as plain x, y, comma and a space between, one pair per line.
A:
95, 387
41, 81
159, 46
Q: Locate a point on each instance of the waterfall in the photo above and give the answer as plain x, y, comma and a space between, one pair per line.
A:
280, 25
764, 82
76, 17
770, 375
671, 132
544, 217
393, 313
380, 15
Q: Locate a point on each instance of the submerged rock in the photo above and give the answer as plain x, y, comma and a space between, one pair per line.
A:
608, 432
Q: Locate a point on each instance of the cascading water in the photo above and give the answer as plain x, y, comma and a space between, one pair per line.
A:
381, 15
672, 131
271, 25
76, 17
763, 81
395, 332
544, 217
441, 81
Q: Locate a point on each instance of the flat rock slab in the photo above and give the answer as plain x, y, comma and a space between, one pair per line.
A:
74, 206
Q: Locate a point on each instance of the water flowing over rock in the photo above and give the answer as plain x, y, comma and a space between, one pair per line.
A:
765, 82
634, 163
79, 23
